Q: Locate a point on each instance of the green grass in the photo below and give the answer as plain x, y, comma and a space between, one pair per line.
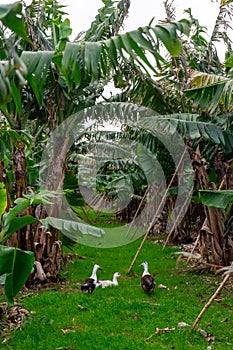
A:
124, 317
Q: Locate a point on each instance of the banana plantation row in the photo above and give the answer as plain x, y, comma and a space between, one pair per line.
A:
58, 164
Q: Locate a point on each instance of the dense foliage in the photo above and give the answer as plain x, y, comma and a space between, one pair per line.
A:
45, 78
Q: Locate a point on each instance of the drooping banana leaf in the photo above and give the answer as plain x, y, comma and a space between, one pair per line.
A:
72, 229
211, 92
189, 124
11, 17
15, 266
215, 198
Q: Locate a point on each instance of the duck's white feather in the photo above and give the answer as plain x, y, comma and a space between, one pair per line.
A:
108, 283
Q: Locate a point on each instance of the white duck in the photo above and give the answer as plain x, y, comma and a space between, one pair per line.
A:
90, 283
108, 283
147, 281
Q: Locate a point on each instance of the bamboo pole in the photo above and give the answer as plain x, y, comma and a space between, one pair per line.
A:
177, 218
137, 211
210, 301
196, 242
156, 213
135, 216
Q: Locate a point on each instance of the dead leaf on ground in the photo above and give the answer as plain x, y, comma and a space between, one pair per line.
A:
148, 338
183, 324
202, 332
69, 330
159, 241
160, 331
162, 286
208, 337
164, 330
136, 318
11, 319
83, 308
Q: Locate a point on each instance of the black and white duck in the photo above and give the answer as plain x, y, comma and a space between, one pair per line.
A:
108, 283
147, 280
90, 283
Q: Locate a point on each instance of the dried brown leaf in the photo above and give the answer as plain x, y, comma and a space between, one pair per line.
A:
208, 337
164, 330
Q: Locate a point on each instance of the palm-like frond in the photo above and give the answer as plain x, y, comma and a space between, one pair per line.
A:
186, 125
210, 93
99, 58
79, 61
191, 125
222, 24
38, 64
138, 88
108, 21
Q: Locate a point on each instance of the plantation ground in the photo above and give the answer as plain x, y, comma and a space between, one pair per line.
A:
124, 317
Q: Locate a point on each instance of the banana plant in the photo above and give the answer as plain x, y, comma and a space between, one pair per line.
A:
15, 267
89, 60
211, 93
211, 81
11, 221
15, 264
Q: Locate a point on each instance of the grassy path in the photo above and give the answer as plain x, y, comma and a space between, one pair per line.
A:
124, 317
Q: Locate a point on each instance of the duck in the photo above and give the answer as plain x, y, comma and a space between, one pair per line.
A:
108, 283
90, 283
147, 280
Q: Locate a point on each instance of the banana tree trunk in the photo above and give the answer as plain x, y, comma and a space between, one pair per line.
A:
212, 234
48, 247
20, 238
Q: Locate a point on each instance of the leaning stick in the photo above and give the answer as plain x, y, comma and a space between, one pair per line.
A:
137, 211
148, 230
156, 213
177, 218
210, 302
196, 242
135, 216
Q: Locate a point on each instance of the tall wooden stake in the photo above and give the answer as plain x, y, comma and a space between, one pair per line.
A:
210, 302
156, 213
137, 211
177, 218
